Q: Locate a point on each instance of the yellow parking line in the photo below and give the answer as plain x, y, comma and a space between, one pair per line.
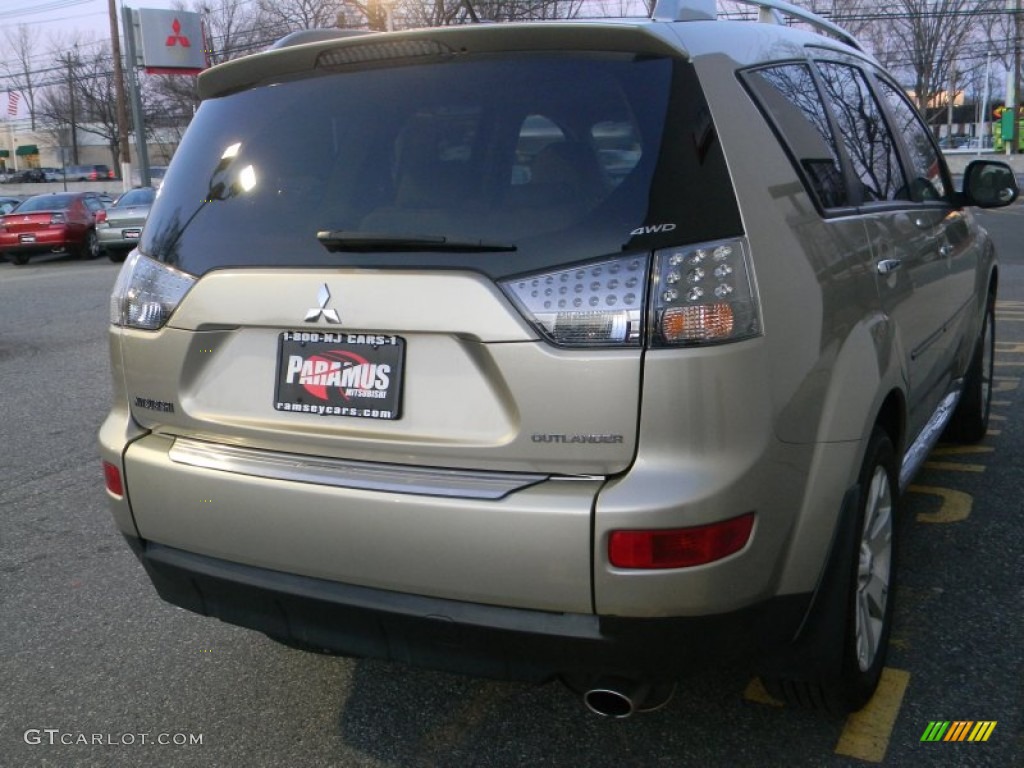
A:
866, 733
961, 450
953, 466
757, 693
956, 505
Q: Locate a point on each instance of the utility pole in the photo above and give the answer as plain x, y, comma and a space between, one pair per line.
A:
122, 107
71, 100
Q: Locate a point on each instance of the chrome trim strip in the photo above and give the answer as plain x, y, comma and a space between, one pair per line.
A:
918, 452
339, 473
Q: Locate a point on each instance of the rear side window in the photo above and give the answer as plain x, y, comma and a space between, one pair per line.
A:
864, 134
789, 95
928, 177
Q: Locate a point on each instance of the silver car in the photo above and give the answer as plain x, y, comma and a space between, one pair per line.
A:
598, 351
120, 225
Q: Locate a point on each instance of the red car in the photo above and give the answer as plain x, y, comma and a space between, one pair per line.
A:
53, 223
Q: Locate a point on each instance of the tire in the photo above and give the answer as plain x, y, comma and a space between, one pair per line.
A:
90, 247
969, 422
867, 618
19, 258
117, 255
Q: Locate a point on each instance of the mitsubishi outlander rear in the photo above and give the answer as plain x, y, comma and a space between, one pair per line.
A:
591, 350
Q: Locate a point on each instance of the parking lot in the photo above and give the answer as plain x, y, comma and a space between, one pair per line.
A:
96, 670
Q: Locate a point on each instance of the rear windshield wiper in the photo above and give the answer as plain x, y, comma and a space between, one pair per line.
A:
344, 240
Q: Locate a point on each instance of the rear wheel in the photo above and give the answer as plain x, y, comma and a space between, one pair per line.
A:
90, 247
970, 419
19, 258
867, 620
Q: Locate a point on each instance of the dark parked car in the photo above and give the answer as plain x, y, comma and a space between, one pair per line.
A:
27, 176
89, 173
53, 223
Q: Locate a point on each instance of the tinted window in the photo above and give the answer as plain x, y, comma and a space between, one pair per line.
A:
135, 197
561, 156
46, 203
864, 134
790, 97
926, 165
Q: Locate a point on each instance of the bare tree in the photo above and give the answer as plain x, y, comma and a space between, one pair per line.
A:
20, 71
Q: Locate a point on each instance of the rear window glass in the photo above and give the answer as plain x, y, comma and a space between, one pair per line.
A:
46, 203
564, 157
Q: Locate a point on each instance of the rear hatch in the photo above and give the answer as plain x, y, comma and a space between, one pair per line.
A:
469, 238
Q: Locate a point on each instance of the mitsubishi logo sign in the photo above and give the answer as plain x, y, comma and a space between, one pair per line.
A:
170, 42
330, 315
177, 38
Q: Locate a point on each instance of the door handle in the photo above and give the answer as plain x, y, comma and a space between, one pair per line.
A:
886, 266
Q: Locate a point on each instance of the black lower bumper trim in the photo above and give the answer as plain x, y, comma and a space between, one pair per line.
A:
454, 636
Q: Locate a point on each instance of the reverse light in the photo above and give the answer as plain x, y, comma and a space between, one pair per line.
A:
704, 294
147, 293
679, 547
58, 218
589, 305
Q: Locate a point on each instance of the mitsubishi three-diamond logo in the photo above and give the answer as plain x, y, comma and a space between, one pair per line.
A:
330, 315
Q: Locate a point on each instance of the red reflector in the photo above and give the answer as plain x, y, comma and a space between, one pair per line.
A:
113, 477
679, 547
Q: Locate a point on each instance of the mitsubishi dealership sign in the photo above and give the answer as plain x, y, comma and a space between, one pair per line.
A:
169, 42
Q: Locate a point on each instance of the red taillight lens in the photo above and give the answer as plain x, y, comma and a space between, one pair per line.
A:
101, 216
679, 547
112, 476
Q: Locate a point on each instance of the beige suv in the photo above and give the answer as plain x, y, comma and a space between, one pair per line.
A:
591, 350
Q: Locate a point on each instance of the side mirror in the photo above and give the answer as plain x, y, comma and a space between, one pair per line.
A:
989, 184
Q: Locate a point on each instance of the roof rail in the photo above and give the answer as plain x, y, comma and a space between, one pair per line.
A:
769, 11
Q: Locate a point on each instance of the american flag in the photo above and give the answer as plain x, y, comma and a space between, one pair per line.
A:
12, 103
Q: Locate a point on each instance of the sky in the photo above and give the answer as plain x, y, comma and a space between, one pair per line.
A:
87, 19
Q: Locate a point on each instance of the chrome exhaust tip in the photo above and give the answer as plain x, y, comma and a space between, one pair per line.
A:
616, 697
621, 697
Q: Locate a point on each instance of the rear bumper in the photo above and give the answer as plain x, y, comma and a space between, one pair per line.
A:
45, 242
462, 637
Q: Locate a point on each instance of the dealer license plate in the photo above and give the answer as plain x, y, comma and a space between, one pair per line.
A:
355, 375
26, 238
131, 234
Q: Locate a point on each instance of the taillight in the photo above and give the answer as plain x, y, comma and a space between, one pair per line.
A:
147, 293
589, 305
679, 547
112, 477
101, 217
58, 218
704, 294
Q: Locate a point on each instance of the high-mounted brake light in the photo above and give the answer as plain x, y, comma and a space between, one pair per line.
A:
704, 294
590, 305
679, 547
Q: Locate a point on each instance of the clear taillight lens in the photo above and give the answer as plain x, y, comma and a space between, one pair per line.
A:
147, 293
591, 305
704, 294
57, 218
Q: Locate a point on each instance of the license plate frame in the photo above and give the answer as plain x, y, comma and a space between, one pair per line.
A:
348, 375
